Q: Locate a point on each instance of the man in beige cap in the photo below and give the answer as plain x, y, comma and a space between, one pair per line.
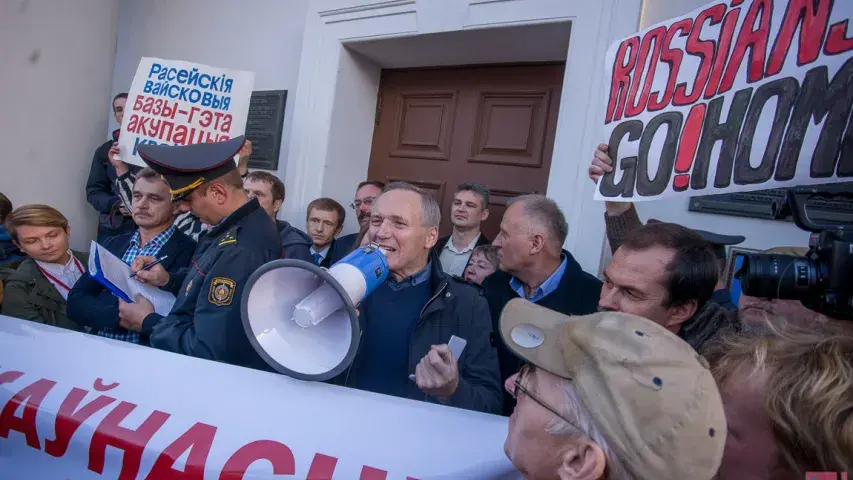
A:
608, 396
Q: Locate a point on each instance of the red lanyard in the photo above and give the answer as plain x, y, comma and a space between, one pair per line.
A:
58, 282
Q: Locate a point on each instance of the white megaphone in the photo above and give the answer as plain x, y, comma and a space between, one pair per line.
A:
301, 318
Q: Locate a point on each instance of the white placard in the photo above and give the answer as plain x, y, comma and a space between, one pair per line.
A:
172, 102
96, 408
735, 96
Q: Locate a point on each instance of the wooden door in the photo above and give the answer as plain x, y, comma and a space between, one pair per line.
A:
494, 125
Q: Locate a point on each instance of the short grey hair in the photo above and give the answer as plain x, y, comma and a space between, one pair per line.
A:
573, 407
547, 214
477, 188
430, 211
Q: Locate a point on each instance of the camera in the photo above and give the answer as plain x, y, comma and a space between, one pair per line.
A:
823, 279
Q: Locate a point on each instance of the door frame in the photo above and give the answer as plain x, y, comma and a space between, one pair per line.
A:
335, 98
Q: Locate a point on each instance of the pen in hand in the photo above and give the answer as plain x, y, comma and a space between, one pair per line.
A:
146, 267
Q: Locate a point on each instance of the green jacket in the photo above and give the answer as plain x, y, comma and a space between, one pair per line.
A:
28, 295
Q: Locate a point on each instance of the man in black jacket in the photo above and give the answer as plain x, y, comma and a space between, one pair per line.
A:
534, 266
89, 303
469, 210
114, 218
269, 190
408, 320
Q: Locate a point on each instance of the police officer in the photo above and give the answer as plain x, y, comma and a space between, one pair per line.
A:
205, 321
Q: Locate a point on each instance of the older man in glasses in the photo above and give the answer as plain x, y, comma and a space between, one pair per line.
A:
608, 396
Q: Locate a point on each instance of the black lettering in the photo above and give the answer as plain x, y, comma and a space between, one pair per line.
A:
785, 90
819, 101
625, 187
647, 186
713, 132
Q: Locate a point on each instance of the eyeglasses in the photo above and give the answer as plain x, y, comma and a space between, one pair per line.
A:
358, 203
525, 371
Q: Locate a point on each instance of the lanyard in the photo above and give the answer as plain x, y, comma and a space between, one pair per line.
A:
58, 282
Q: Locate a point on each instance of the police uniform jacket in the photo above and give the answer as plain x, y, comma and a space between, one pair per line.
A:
205, 321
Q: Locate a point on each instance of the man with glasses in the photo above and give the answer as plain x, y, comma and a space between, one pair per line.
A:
608, 396
365, 195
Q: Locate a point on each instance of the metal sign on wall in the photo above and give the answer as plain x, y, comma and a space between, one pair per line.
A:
266, 119
757, 204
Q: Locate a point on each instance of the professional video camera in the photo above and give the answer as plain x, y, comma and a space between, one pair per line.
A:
823, 279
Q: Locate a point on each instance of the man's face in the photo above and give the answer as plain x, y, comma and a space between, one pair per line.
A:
756, 310
635, 283
468, 210
531, 449
118, 109
263, 192
322, 227
152, 203
478, 268
514, 242
202, 204
45, 244
396, 225
364, 198
751, 452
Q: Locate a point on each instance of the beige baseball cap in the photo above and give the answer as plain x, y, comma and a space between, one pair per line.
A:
651, 395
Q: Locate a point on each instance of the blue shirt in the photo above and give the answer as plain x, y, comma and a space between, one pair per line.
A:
391, 313
547, 287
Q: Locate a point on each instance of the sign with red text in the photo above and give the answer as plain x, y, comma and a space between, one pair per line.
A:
172, 102
739, 95
78, 406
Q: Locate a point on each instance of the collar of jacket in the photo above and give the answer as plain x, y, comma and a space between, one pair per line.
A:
234, 217
439, 282
29, 273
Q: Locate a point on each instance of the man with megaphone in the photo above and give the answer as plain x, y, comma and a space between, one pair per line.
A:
408, 320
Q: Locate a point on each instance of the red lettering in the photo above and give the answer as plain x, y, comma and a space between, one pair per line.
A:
672, 56
33, 394
812, 29
322, 467
753, 39
226, 123
838, 41
198, 440
657, 35
10, 376
370, 473
206, 118
620, 81
148, 105
68, 419
193, 111
279, 455
703, 49
137, 104
101, 387
687, 147
133, 123
722, 53
110, 433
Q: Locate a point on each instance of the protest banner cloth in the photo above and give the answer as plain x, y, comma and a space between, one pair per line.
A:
738, 95
74, 405
172, 102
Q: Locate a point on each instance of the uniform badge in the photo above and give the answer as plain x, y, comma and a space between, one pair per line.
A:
227, 239
221, 291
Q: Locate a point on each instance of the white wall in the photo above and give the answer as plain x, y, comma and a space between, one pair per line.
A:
264, 36
760, 234
56, 59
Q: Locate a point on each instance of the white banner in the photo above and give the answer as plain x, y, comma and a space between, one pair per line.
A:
77, 406
172, 102
735, 96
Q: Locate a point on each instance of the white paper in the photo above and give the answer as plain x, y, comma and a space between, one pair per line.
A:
118, 273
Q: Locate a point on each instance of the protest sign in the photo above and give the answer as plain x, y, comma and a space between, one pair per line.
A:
79, 406
173, 102
738, 95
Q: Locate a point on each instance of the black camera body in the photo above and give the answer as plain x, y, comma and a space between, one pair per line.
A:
823, 279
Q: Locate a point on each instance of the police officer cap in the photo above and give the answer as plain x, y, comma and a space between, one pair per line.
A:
186, 167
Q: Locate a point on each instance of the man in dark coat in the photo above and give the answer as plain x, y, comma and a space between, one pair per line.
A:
534, 266
469, 210
113, 218
205, 321
408, 320
92, 305
269, 190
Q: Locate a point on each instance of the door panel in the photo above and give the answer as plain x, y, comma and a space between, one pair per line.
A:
494, 125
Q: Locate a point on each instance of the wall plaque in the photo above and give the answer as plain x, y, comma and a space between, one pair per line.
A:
266, 119
757, 205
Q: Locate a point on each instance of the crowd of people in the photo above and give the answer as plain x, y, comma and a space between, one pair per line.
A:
651, 372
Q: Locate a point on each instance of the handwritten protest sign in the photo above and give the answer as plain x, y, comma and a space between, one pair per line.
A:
179, 103
738, 95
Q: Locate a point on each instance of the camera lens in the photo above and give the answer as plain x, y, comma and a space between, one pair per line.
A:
777, 276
